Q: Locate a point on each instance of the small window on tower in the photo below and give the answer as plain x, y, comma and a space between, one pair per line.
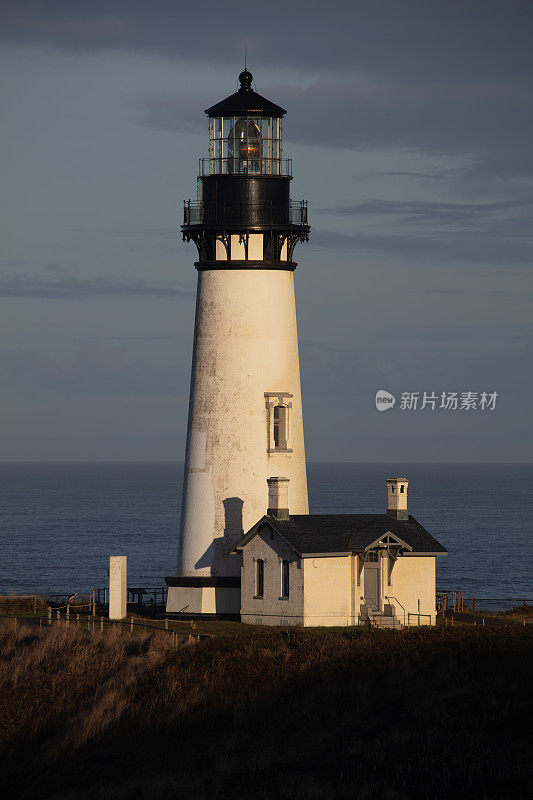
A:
280, 427
278, 422
401, 488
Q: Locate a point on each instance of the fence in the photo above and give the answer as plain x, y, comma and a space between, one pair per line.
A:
456, 600
33, 602
416, 615
155, 596
93, 623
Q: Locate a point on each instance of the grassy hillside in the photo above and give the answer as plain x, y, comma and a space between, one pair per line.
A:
339, 713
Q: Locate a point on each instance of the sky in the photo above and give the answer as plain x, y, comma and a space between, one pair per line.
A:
410, 128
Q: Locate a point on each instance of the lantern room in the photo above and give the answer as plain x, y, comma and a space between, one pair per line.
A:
245, 135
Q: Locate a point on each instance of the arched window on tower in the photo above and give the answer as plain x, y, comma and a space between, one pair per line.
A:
280, 427
278, 422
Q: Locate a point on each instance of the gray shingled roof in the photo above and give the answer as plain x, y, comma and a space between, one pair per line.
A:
343, 533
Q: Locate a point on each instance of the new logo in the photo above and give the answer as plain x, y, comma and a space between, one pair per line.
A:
384, 400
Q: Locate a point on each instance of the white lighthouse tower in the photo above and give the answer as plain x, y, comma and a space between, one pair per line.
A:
245, 413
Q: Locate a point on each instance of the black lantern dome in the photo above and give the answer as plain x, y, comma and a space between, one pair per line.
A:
245, 101
245, 182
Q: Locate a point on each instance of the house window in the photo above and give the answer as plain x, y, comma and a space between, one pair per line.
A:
280, 427
372, 556
284, 578
259, 577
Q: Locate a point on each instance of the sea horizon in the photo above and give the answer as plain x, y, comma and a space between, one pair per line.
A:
61, 520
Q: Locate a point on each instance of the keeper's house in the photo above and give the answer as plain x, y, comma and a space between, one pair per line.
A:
339, 569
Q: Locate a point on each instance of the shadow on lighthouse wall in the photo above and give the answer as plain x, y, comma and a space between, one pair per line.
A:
233, 529
206, 559
217, 553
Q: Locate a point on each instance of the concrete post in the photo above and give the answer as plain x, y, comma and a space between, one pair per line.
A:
117, 587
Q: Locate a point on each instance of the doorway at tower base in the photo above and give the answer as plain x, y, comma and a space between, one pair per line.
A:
214, 596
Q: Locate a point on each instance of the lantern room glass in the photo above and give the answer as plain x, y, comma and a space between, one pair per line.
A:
245, 145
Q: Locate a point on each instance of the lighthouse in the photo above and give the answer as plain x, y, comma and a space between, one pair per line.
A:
245, 422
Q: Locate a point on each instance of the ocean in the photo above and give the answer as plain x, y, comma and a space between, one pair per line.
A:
60, 522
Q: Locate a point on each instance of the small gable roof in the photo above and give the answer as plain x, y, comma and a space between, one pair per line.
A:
310, 534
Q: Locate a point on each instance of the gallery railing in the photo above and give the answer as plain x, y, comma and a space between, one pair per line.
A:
242, 166
247, 215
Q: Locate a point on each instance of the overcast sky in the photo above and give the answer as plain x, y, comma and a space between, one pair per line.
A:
410, 127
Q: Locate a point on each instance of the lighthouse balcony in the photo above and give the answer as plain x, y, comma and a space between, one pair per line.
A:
245, 166
240, 216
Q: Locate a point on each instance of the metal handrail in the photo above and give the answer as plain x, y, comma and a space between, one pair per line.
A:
387, 597
234, 214
245, 166
416, 614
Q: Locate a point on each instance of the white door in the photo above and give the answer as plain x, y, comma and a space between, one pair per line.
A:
371, 581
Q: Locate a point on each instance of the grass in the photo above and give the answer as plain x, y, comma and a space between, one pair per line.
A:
295, 713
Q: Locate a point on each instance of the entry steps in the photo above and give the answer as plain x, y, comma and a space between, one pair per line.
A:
380, 619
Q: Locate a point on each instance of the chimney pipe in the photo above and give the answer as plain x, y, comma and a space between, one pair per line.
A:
278, 498
397, 498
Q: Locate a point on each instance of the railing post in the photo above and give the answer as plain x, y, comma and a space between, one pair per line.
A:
49, 615
418, 612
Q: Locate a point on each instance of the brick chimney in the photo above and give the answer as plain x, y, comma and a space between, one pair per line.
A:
397, 498
278, 497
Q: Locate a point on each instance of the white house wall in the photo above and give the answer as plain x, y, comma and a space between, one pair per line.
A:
327, 591
271, 609
413, 579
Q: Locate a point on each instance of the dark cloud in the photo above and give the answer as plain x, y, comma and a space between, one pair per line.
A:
449, 79
497, 219
490, 126
409, 39
71, 288
431, 249
444, 77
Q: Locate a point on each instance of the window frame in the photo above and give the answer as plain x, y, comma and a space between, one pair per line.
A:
259, 579
272, 401
285, 579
